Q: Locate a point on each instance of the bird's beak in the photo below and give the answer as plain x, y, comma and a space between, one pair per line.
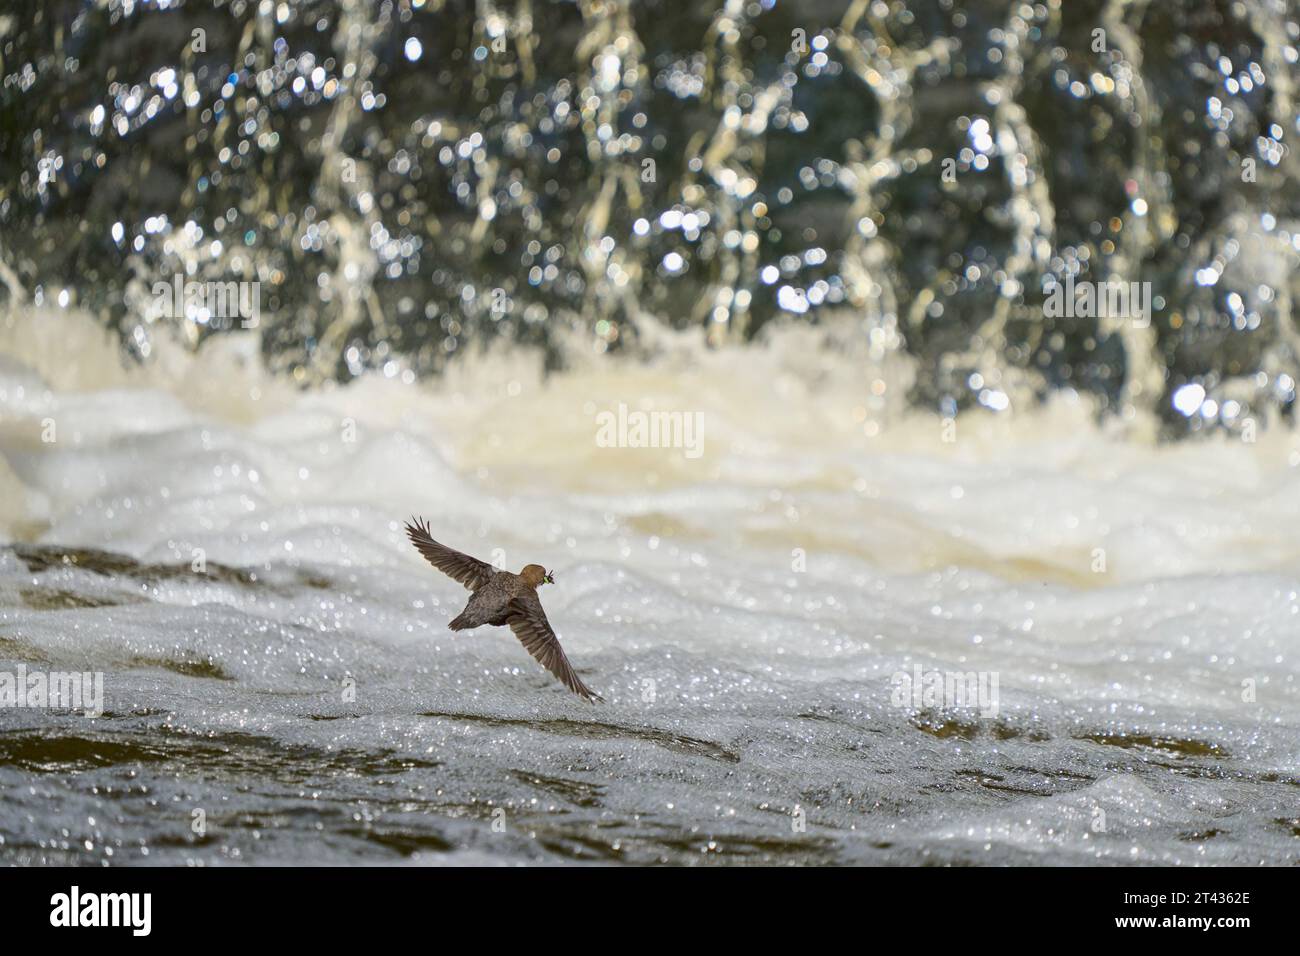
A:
550, 578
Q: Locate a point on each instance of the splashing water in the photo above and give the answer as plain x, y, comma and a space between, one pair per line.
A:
281, 686
463, 251
406, 179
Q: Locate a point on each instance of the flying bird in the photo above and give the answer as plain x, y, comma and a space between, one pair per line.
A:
502, 598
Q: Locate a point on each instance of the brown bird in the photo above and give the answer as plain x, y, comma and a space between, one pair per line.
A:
502, 598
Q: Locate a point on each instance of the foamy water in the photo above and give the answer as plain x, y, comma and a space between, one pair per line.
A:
227, 551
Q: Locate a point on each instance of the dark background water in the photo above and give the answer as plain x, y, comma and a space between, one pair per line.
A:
406, 179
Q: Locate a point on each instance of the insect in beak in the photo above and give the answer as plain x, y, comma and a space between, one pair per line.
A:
550, 578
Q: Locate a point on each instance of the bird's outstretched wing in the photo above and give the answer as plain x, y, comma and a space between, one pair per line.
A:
527, 619
461, 568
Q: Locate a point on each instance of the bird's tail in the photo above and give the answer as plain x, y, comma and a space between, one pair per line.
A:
460, 622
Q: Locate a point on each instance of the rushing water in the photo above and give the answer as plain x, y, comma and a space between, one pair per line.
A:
826, 236
409, 179
744, 612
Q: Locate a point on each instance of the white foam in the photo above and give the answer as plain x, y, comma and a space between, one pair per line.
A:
742, 684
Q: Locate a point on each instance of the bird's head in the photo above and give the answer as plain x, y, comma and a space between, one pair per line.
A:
535, 575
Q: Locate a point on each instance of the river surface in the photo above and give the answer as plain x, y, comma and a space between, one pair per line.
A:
280, 686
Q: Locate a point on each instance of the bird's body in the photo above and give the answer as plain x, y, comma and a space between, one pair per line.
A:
490, 603
502, 598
